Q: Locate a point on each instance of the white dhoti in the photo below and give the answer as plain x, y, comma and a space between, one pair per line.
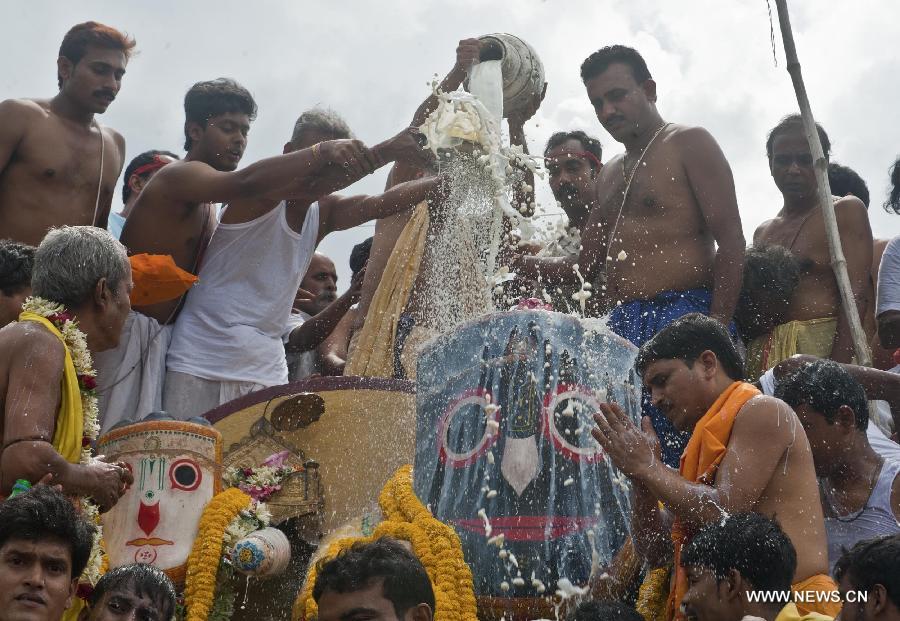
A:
130, 377
186, 396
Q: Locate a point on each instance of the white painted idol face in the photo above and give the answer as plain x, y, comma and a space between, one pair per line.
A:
177, 470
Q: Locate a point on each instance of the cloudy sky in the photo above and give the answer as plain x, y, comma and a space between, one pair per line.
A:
370, 61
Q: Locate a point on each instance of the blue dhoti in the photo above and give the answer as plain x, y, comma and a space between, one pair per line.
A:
638, 321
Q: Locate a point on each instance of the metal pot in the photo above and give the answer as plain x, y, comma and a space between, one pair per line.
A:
523, 71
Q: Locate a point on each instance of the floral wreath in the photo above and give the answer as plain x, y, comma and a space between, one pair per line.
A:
261, 482
229, 517
435, 544
76, 342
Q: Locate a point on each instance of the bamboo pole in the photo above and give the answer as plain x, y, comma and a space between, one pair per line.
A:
838, 262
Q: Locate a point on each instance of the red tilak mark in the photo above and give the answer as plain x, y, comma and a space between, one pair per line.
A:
148, 517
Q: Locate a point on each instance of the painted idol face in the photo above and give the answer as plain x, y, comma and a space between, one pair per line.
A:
177, 471
504, 451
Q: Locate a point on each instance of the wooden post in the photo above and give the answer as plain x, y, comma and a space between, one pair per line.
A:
838, 262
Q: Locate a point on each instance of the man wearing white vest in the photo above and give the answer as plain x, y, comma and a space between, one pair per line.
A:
227, 341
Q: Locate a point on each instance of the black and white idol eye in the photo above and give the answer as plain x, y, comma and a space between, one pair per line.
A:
467, 429
568, 420
185, 474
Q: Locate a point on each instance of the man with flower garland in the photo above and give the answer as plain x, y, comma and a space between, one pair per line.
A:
80, 284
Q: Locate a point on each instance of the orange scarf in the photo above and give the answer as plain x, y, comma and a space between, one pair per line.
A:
157, 279
704, 451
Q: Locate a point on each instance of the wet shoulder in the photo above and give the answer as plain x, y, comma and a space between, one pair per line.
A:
29, 341
766, 417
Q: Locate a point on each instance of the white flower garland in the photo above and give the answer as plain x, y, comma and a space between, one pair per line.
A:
76, 342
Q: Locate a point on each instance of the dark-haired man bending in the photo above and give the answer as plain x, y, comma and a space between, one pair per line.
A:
693, 372
815, 322
860, 489
57, 165
733, 564
381, 580
666, 233
140, 592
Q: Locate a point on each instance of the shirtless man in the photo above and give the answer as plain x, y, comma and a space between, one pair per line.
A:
137, 174
668, 203
52, 150
693, 372
228, 339
814, 322
86, 270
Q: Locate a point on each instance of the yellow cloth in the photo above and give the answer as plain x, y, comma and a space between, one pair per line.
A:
373, 351
792, 613
701, 457
823, 584
814, 337
69, 430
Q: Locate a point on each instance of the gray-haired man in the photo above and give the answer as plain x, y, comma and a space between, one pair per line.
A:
85, 271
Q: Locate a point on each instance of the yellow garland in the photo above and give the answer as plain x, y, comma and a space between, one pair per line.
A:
653, 595
435, 544
203, 562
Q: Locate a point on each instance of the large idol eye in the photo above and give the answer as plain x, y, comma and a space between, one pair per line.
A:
185, 474
464, 432
568, 420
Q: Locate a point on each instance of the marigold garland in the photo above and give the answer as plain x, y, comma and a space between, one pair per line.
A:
435, 544
206, 553
76, 342
654, 595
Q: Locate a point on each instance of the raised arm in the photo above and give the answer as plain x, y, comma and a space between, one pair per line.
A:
856, 241
711, 180
341, 213
273, 177
466, 55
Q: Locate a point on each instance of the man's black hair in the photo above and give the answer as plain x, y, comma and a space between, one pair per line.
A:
794, 123
44, 512
686, 338
599, 61
208, 99
141, 160
871, 562
144, 580
824, 386
16, 263
588, 143
604, 611
405, 581
750, 543
844, 180
360, 254
771, 274
893, 201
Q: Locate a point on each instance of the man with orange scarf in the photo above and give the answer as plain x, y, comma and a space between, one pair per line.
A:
747, 452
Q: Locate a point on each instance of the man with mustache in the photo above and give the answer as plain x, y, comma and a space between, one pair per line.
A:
58, 166
666, 233
814, 322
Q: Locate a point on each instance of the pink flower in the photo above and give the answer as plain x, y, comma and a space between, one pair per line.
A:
532, 304
276, 460
88, 382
